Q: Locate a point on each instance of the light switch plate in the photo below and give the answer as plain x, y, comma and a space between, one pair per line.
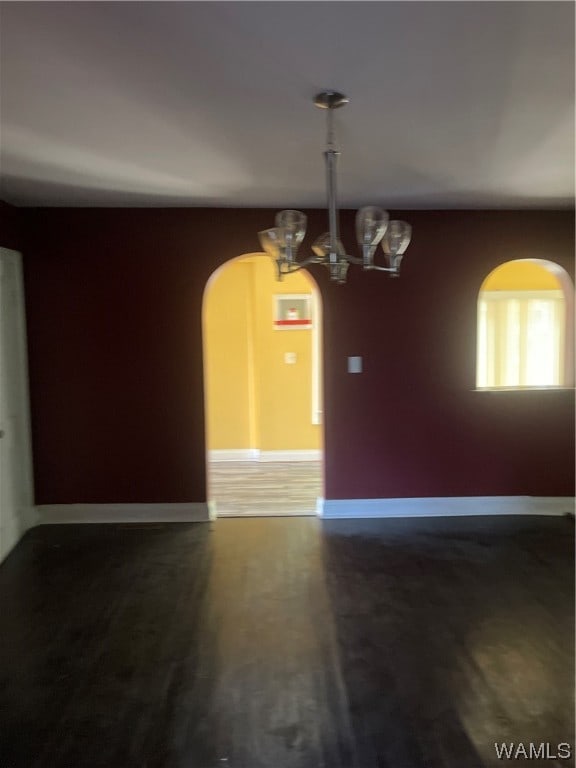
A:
354, 365
289, 358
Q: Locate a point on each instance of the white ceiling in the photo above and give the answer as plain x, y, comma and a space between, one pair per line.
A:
452, 104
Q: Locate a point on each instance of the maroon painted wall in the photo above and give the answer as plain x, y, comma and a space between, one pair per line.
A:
114, 302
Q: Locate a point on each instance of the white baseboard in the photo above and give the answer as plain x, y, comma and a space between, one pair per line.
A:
212, 509
255, 454
302, 455
194, 512
234, 454
445, 506
552, 505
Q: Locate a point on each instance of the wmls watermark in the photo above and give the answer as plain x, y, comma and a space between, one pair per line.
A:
533, 751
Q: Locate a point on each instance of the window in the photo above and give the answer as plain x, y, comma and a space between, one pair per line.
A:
522, 327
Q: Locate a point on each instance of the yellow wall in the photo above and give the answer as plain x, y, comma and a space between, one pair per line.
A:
521, 275
255, 399
226, 355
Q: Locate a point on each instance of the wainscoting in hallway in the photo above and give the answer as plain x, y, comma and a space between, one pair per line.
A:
250, 488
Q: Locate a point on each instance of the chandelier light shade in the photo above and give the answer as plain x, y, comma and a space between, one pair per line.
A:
373, 227
395, 242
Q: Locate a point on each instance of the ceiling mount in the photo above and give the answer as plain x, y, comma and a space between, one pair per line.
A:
330, 100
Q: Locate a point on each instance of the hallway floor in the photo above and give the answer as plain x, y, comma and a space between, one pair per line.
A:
287, 643
251, 488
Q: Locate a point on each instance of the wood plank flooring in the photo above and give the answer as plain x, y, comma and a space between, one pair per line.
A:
249, 488
287, 643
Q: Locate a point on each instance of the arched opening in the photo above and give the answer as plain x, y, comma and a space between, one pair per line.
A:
525, 326
263, 390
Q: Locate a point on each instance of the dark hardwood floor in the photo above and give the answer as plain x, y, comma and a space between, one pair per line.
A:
287, 643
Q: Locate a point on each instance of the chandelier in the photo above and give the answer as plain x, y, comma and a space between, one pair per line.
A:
373, 227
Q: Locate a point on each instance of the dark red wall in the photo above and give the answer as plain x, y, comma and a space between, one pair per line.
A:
114, 302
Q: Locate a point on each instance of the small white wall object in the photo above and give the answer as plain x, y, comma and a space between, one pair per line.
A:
354, 365
289, 358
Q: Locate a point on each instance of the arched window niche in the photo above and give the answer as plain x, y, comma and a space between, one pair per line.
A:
525, 329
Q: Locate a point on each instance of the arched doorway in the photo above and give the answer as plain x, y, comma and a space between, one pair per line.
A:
263, 390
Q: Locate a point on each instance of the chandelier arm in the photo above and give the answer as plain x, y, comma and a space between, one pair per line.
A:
383, 269
296, 266
353, 259
310, 260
